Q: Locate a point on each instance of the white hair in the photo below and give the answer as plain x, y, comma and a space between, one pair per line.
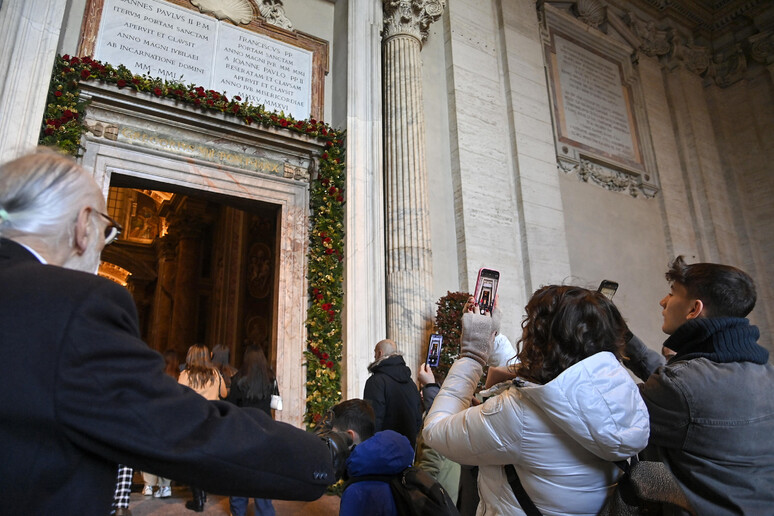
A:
41, 194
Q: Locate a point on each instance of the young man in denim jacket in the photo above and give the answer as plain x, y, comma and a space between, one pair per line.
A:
712, 403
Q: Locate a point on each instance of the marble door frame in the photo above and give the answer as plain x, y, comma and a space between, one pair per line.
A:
110, 154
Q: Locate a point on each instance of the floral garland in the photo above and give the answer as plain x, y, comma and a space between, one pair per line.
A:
63, 127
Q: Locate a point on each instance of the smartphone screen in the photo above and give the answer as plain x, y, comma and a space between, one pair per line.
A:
434, 350
608, 288
486, 289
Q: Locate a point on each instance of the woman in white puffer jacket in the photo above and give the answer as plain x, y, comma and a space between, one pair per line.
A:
572, 411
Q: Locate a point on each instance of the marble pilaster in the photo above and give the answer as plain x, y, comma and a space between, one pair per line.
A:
29, 33
364, 314
701, 166
409, 252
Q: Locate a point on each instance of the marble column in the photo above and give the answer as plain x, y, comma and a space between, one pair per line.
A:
408, 253
228, 281
187, 227
163, 298
29, 33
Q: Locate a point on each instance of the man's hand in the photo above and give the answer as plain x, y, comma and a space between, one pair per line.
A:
478, 333
340, 445
425, 375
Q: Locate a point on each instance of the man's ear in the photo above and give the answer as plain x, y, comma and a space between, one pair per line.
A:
82, 230
697, 307
354, 435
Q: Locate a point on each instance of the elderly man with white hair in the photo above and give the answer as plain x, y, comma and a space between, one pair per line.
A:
83, 393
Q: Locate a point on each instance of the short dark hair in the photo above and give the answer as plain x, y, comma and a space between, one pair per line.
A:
564, 325
725, 291
354, 414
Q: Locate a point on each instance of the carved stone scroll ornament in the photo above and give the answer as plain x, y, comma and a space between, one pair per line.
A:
653, 42
694, 58
411, 17
607, 178
274, 13
728, 69
762, 47
238, 11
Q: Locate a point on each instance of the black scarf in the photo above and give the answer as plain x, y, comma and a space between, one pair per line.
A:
720, 339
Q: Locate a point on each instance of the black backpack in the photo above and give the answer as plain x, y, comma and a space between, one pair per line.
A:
416, 493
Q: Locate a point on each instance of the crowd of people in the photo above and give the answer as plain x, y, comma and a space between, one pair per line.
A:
85, 394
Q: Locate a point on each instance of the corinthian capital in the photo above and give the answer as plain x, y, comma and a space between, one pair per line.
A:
410, 17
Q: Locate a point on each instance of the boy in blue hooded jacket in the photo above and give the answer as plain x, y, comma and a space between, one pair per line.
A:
383, 453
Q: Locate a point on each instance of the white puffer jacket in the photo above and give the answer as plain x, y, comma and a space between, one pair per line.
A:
561, 437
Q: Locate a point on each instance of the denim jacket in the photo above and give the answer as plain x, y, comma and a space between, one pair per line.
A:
712, 423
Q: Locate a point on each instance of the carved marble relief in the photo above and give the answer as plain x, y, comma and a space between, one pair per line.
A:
762, 47
274, 13
653, 42
606, 177
729, 68
238, 11
694, 58
591, 12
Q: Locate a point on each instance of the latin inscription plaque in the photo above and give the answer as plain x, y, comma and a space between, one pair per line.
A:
593, 106
163, 40
263, 71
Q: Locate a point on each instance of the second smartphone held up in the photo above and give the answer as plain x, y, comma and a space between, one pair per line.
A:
486, 288
434, 350
608, 288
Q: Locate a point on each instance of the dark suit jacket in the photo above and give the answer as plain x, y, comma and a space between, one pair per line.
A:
81, 392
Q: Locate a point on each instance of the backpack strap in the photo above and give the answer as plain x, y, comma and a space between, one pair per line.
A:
521, 495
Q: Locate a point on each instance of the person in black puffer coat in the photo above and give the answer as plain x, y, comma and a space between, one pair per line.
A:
392, 393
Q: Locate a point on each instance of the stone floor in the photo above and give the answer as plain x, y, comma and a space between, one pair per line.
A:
218, 505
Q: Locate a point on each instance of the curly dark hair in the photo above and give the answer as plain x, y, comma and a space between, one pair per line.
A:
564, 325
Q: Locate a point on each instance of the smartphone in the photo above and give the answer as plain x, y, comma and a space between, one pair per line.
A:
607, 288
486, 289
434, 350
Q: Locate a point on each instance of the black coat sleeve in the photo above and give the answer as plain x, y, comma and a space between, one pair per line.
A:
113, 399
375, 394
642, 360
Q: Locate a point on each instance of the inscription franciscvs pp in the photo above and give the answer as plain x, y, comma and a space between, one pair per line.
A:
160, 39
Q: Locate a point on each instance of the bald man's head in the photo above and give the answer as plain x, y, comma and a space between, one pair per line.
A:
385, 348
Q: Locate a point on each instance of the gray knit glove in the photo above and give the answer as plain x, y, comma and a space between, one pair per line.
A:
478, 333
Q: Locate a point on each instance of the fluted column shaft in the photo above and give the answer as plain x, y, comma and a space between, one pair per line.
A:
186, 227
409, 251
161, 315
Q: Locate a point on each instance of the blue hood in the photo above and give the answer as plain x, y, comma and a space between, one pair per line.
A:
386, 453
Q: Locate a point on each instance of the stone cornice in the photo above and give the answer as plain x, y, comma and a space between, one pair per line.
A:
410, 17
